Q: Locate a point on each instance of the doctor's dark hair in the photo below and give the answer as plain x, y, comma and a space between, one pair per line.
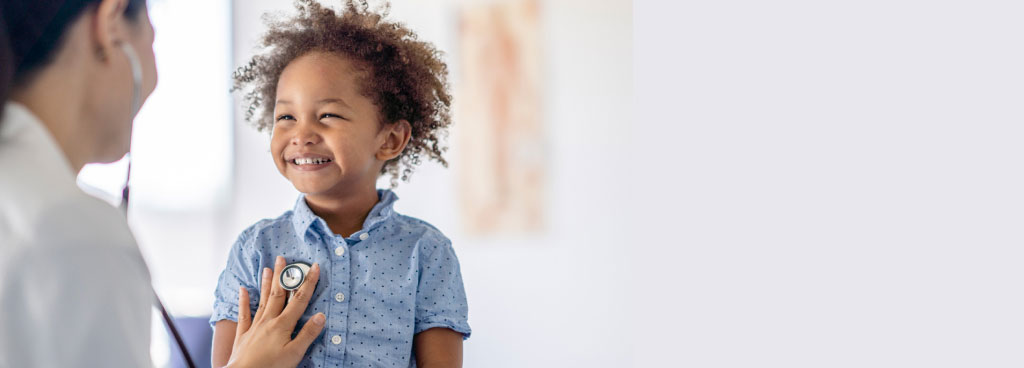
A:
405, 77
32, 30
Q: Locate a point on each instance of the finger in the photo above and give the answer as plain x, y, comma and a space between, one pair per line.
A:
244, 314
264, 293
276, 300
308, 334
302, 296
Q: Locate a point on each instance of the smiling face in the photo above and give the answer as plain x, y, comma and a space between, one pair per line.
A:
327, 137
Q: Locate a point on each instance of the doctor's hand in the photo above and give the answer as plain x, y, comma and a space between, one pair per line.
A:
264, 340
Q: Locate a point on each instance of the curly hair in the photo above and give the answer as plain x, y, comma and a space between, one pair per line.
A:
405, 77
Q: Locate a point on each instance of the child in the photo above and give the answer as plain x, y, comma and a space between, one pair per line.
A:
349, 96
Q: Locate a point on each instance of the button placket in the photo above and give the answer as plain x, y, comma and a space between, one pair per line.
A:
340, 244
340, 275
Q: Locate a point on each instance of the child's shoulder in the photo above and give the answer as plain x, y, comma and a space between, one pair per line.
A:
418, 229
265, 227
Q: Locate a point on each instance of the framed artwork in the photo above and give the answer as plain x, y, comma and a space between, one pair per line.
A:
499, 120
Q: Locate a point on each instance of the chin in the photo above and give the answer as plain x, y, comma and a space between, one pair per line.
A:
112, 156
306, 188
116, 149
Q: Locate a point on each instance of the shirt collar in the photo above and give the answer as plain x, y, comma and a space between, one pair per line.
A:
35, 173
303, 218
20, 124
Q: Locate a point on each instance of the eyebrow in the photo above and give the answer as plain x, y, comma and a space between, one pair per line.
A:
321, 102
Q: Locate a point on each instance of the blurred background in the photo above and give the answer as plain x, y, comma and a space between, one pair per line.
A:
543, 92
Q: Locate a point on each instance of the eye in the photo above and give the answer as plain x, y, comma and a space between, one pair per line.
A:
329, 115
284, 117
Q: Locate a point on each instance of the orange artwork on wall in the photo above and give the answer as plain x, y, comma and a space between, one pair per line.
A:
498, 117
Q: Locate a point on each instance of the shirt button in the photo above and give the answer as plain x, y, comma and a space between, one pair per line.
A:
339, 250
339, 297
336, 339
364, 236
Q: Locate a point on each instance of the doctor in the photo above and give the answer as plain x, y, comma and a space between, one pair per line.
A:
74, 291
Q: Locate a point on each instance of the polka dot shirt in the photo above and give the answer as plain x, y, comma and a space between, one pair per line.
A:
379, 287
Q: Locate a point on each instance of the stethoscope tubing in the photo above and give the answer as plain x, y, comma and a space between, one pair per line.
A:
159, 304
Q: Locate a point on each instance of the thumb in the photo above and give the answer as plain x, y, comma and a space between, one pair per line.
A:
308, 333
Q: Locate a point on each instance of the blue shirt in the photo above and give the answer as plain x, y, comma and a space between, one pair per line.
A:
379, 287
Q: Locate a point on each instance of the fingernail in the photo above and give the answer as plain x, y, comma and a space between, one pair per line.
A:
266, 272
241, 289
280, 260
316, 266
319, 318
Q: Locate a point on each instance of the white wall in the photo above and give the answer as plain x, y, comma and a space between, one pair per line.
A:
546, 301
845, 183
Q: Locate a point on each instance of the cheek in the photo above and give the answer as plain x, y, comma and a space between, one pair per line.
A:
151, 76
143, 45
354, 149
361, 154
277, 145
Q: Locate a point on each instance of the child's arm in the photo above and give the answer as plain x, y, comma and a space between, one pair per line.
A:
435, 348
441, 310
223, 340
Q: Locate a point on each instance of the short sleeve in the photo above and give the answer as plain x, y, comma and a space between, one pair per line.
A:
242, 270
441, 296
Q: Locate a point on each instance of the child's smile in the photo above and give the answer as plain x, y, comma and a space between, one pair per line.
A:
309, 161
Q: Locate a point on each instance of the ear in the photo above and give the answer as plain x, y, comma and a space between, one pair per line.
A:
396, 137
109, 28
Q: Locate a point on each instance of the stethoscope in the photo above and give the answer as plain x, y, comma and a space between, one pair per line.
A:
133, 60
292, 276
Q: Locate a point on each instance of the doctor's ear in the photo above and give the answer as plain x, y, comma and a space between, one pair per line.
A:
108, 28
396, 137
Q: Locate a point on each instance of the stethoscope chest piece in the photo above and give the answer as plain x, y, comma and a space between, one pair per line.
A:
293, 275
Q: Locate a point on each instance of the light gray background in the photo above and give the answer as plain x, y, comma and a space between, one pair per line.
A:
828, 184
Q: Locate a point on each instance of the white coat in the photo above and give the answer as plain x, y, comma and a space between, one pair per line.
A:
74, 289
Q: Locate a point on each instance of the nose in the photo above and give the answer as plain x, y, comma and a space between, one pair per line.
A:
305, 136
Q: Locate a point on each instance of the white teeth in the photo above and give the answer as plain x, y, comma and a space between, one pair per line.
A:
310, 161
